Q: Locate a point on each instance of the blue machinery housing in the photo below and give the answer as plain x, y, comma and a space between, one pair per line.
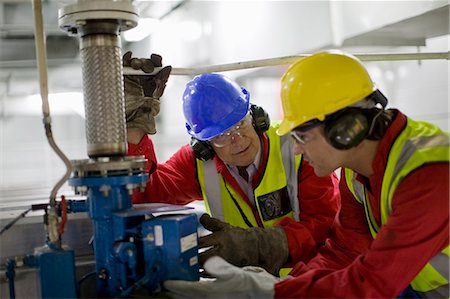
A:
133, 248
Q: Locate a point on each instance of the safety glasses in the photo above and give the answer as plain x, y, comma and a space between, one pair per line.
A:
225, 138
298, 134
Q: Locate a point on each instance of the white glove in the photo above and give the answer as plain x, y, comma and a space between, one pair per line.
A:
231, 282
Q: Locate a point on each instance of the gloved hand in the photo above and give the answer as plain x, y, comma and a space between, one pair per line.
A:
230, 282
142, 93
263, 247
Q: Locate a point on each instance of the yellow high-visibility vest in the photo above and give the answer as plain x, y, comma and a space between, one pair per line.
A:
280, 178
419, 143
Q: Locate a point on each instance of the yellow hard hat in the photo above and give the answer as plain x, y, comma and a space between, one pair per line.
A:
321, 84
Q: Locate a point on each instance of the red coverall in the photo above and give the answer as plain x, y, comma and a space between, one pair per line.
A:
354, 265
175, 182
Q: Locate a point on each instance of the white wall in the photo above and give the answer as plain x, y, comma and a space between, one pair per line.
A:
351, 18
418, 88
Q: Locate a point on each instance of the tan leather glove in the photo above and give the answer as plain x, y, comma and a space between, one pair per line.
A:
263, 247
142, 93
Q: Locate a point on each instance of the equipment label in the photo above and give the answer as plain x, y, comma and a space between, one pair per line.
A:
188, 242
159, 238
193, 261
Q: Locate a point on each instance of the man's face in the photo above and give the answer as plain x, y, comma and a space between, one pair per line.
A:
239, 145
314, 147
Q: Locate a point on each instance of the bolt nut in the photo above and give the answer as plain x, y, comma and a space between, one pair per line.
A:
102, 274
104, 189
80, 22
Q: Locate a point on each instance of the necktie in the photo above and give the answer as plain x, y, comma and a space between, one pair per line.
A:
243, 173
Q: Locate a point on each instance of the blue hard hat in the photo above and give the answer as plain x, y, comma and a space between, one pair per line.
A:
212, 104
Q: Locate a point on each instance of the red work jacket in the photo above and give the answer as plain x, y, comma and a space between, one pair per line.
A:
354, 265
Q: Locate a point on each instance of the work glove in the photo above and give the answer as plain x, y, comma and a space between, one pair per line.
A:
231, 282
263, 247
142, 93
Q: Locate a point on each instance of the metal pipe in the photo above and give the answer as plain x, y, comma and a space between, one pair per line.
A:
98, 25
10, 275
41, 58
103, 95
286, 60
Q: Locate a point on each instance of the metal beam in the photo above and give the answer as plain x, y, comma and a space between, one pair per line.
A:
286, 60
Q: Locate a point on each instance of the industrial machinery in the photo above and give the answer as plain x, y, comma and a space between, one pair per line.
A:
135, 247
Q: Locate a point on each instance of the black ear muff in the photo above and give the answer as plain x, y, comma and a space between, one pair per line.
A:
379, 98
261, 120
346, 129
202, 150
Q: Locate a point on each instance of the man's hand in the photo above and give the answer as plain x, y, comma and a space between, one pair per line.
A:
230, 282
142, 93
266, 248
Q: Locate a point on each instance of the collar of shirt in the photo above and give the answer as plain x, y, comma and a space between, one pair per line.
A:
251, 169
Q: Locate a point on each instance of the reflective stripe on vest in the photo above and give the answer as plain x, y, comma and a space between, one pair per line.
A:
418, 144
359, 192
218, 195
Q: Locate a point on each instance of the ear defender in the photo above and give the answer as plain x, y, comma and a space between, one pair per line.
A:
202, 149
346, 129
260, 118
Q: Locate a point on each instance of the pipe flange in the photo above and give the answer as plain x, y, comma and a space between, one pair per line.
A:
108, 166
72, 17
